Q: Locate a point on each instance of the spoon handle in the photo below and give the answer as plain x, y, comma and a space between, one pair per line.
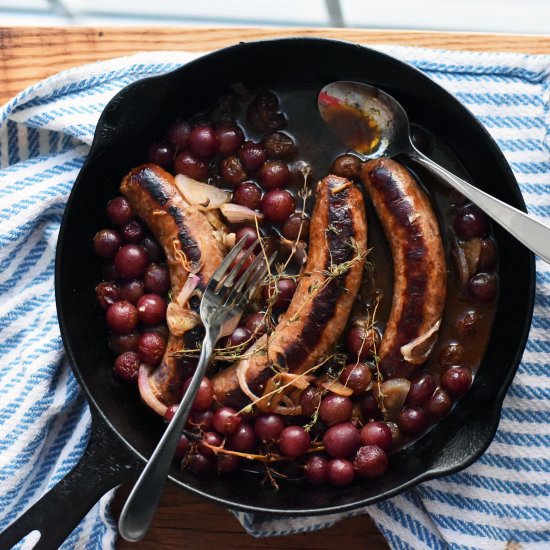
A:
532, 233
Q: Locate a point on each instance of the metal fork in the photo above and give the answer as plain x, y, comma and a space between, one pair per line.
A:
222, 305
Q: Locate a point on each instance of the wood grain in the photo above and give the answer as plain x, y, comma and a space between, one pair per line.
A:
187, 521
31, 54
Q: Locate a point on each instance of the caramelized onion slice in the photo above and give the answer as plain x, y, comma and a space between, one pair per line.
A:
336, 387
147, 393
198, 193
391, 395
181, 319
418, 350
235, 213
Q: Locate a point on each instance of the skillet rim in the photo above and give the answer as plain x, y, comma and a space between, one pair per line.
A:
491, 421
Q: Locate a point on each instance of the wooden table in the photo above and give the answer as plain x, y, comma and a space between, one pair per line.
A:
30, 54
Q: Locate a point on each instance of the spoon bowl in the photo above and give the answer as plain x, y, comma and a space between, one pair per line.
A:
374, 124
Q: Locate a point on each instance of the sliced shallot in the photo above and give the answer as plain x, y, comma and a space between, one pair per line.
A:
235, 213
198, 193
147, 393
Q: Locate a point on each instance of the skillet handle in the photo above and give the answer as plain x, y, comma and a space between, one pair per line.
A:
105, 464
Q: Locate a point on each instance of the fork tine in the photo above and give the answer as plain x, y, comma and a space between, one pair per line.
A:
226, 284
255, 282
227, 261
257, 263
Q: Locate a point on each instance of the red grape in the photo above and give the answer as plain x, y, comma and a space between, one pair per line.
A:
438, 405
483, 287
335, 408
316, 469
488, 255
119, 211
362, 341
230, 138
152, 248
294, 441
227, 464
456, 381
188, 164
256, 324
132, 232
205, 394
210, 438
370, 461
347, 166
106, 243
119, 343
203, 420
183, 445
243, 439
291, 228
422, 387
201, 465
151, 309
240, 336
249, 232
285, 291
232, 171
278, 145
376, 433
226, 420
151, 348
412, 420
107, 293
471, 222
340, 472
341, 440
274, 174
309, 400
121, 317
131, 290
252, 155
203, 141
127, 366
467, 323
170, 412
178, 134
248, 194
277, 205
357, 377
131, 261
161, 153
369, 407
157, 279
268, 427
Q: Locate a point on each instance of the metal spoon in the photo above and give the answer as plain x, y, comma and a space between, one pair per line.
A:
374, 124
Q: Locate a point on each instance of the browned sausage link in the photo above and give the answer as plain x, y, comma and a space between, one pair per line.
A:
420, 274
320, 308
186, 237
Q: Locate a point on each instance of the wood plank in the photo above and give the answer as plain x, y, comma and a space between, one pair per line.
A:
29, 54
184, 520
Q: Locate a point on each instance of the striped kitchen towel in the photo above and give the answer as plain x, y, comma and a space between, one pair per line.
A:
502, 501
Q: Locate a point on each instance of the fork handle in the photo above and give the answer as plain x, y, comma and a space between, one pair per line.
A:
142, 502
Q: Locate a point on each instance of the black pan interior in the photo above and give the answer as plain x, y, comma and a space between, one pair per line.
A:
139, 113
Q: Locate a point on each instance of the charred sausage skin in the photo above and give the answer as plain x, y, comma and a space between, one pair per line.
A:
320, 308
420, 273
190, 246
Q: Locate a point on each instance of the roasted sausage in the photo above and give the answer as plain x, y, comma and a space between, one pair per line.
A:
190, 246
420, 273
320, 307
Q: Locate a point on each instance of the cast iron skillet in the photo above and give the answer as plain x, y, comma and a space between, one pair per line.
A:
124, 432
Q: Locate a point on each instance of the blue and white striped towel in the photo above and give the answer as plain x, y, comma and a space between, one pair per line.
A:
45, 134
